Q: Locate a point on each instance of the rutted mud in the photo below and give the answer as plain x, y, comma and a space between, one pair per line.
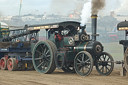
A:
60, 78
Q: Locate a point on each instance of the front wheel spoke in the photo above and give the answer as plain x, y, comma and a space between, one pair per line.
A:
83, 69
87, 67
107, 68
109, 65
108, 58
99, 63
87, 61
100, 59
78, 63
79, 67
101, 68
104, 57
83, 57
79, 60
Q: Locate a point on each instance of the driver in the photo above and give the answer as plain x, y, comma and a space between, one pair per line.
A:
33, 40
58, 37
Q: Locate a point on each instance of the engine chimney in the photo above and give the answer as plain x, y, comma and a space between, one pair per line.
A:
94, 27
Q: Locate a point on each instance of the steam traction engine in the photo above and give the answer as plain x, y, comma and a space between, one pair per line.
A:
15, 48
123, 26
70, 48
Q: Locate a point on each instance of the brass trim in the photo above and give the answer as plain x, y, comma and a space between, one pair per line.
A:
94, 16
85, 46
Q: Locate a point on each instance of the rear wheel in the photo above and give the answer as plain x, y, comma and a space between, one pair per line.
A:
83, 63
43, 57
3, 65
11, 64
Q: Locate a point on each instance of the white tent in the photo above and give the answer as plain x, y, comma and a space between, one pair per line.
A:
3, 25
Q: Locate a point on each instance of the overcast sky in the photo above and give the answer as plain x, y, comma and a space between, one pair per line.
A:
11, 7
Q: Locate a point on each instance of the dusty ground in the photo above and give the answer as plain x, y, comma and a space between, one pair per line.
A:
60, 78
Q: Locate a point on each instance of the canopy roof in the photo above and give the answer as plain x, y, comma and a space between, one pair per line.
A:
59, 25
122, 25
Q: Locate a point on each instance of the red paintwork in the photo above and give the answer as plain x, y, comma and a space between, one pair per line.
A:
17, 61
2, 63
6, 57
9, 65
59, 37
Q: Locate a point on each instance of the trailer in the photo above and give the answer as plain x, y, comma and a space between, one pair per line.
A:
15, 48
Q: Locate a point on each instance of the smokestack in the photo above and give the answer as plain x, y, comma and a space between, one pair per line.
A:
94, 27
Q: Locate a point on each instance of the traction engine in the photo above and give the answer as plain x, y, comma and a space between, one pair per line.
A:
70, 48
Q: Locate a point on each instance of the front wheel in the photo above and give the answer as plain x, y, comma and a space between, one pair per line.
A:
104, 64
83, 63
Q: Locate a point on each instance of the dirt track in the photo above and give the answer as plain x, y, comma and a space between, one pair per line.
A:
59, 78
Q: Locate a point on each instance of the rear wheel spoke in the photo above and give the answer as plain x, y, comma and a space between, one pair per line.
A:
38, 58
40, 64
38, 52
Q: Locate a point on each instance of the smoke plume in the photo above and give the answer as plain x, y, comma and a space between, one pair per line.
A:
91, 7
97, 5
86, 12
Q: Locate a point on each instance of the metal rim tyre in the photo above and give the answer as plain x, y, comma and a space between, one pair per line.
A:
83, 63
54, 49
105, 64
43, 57
11, 64
3, 63
126, 59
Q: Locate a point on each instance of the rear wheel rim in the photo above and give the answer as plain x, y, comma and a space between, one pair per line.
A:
42, 57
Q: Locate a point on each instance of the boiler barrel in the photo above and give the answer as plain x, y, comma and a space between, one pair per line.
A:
92, 47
